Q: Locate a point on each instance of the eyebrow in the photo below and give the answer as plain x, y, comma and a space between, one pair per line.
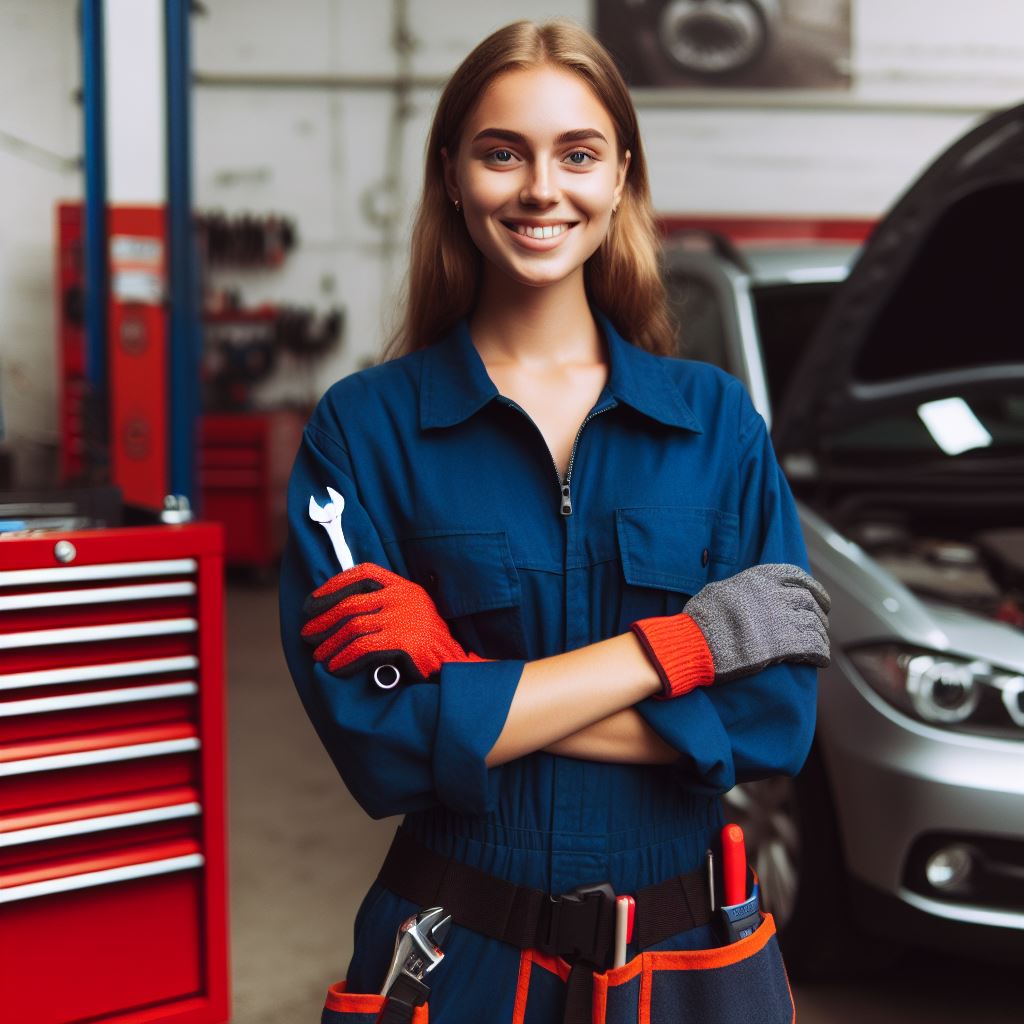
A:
576, 135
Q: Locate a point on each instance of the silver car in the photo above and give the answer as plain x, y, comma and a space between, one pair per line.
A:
893, 381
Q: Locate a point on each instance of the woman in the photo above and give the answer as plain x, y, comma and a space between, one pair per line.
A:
531, 500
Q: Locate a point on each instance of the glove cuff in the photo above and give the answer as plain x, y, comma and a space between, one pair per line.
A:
678, 650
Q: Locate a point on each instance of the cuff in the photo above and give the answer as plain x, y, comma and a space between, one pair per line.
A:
680, 653
474, 702
694, 728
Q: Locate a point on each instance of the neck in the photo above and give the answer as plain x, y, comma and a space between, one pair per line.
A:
534, 327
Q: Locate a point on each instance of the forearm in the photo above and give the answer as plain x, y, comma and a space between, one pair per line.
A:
559, 696
624, 737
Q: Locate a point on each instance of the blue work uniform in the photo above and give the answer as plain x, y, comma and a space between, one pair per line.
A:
672, 484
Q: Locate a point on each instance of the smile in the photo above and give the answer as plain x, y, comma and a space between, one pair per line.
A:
537, 231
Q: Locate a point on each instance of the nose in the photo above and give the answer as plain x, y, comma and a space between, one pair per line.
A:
540, 188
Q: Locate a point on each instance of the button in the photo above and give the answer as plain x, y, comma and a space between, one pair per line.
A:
64, 551
432, 580
704, 557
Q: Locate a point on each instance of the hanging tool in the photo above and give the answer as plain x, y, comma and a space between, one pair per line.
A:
417, 952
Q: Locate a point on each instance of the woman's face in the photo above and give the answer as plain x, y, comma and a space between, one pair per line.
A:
538, 174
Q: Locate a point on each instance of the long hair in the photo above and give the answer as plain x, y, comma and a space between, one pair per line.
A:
622, 277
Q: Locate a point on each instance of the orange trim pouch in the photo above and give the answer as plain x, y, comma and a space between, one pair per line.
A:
344, 1007
744, 980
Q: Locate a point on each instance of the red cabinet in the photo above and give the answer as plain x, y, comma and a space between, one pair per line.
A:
112, 777
244, 463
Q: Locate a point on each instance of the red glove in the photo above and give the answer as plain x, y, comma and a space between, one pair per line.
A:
676, 646
369, 616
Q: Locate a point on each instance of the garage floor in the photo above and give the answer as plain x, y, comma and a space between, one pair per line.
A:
302, 854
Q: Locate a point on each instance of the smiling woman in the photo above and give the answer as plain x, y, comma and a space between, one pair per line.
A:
584, 665
536, 131
531, 184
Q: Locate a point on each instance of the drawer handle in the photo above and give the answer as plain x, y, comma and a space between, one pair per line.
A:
90, 634
94, 879
55, 762
87, 673
98, 698
101, 823
102, 571
96, 595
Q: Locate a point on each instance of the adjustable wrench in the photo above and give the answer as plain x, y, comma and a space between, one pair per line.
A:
417, 952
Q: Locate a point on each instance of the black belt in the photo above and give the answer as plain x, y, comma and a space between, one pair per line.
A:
578, 926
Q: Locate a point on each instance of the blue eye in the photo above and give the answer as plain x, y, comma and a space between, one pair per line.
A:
496, 153
582, 153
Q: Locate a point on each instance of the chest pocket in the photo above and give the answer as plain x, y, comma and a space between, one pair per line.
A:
668, 553
475, 585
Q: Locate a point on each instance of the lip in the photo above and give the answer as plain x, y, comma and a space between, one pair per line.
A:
538, 244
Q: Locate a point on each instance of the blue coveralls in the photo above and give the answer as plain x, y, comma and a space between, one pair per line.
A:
672, 484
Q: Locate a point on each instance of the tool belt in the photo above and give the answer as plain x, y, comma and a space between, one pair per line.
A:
578, 926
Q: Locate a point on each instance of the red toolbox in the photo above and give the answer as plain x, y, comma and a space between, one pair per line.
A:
112, 777
244, 463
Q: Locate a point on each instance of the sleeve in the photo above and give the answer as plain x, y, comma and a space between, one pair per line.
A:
397, 750
762, 724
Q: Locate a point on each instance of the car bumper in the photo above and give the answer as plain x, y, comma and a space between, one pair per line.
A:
897, 784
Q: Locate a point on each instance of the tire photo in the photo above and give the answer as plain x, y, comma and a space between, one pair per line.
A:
714, 37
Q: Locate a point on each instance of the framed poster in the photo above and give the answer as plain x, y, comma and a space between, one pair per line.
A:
729, 44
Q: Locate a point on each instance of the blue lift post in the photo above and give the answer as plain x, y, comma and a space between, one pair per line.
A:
185, 330
95, 250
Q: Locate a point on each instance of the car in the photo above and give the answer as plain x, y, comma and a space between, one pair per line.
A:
892, 379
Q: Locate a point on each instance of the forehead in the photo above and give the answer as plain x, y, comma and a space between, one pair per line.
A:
538, 103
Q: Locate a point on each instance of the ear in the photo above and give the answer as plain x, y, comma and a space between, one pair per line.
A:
451, 183
620, 181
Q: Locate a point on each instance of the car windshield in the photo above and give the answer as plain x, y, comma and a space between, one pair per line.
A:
787, 315
975, 423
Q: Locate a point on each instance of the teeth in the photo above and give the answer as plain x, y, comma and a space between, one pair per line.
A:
544, 232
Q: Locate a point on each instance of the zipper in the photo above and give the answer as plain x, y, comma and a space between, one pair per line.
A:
564, 486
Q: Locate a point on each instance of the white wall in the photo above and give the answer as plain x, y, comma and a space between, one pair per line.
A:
40, 135
924, 69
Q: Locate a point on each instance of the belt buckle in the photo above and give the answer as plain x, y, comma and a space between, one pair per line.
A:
582, 923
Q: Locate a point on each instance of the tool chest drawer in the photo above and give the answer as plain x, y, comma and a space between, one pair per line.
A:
244, 463
112, 810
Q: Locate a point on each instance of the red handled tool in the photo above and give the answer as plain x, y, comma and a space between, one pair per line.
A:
734, 865
740, 916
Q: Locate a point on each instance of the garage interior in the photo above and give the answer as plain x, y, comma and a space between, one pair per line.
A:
238, 180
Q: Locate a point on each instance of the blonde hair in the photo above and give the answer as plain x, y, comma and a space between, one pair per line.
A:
622, 277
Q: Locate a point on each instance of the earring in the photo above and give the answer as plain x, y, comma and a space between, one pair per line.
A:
458, 206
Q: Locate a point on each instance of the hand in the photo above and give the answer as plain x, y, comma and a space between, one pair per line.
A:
764, 615
761, 616
368, 616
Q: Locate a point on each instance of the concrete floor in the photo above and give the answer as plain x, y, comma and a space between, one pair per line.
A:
303, 853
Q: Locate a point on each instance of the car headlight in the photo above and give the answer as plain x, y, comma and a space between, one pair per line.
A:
944, 690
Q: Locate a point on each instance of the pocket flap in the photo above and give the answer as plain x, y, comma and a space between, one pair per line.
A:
465, 572
664, 546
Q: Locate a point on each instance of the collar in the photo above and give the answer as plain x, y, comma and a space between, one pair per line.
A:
455, 383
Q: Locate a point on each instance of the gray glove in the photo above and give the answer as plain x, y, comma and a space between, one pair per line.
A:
761, 616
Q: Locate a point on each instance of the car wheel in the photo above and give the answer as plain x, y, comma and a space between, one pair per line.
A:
793, 845
713, 37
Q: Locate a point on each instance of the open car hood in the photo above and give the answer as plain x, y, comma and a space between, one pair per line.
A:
935, 299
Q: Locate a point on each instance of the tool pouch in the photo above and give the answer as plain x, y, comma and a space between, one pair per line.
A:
344, 1007
743, 980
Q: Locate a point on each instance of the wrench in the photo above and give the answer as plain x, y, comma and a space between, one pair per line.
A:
329, 517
